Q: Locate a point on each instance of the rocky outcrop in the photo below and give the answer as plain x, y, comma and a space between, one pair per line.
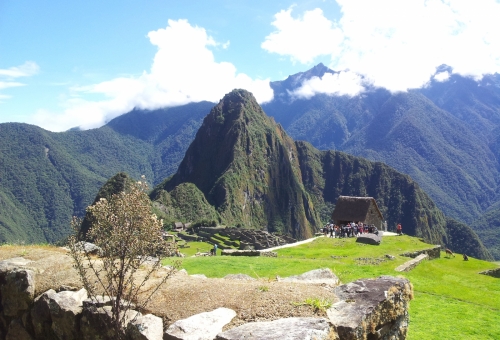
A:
409, 265
373, 309
434, 253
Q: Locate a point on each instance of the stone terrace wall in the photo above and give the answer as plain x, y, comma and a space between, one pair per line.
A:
434, 253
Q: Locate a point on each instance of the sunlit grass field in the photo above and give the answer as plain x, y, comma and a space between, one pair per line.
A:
452, 301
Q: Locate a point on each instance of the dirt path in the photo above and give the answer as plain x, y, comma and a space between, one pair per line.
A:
291, 244
386, 233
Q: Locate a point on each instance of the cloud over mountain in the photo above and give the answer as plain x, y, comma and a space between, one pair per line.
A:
394, 44
183, 70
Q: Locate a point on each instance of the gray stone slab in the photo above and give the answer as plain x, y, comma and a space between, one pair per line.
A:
281, 329
203, 326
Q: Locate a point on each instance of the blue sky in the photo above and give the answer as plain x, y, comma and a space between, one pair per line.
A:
81, 63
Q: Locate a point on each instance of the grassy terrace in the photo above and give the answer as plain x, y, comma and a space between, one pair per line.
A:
452, 301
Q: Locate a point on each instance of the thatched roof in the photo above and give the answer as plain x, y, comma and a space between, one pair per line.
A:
349, 208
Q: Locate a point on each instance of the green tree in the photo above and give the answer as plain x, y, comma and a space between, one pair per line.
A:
130, 239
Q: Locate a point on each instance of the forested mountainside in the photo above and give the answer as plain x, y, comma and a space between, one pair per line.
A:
252, 173
47, 177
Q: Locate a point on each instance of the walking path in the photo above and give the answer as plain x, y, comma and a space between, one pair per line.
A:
386, 233
291, 244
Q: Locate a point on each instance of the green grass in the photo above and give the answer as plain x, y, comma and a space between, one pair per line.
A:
452, 301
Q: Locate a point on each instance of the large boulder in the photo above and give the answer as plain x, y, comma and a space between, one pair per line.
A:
281, 329
372, 308
369, 239
316, 276
59, 311
17, 288
146, 327
203, 326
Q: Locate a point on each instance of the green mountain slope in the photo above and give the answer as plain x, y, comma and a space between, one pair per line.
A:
247, 168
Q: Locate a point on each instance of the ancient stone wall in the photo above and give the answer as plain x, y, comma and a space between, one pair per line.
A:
434, 253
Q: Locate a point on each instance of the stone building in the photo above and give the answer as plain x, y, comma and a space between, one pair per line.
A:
357, 209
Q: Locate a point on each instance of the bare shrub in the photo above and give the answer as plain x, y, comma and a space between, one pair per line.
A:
129, 236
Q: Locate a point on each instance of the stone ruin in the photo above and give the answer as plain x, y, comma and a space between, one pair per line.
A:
244, 239
363, 309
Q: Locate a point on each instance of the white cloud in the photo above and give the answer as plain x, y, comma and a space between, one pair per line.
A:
338, 84
396, 44
8, 76
7, 84
184, 70
27, 69
305, 38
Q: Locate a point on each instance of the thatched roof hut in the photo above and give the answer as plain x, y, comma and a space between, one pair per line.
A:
357, 209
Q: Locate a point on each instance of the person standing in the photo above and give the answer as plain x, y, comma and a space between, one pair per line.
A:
215, 249
399, 229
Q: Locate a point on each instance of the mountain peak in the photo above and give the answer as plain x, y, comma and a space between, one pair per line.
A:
247, 168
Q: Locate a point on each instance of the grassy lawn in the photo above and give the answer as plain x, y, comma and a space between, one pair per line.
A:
452, 301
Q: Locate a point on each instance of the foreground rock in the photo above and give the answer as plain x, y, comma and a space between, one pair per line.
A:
203, 326
60, 311
373, 309
282, 329
316, 276
146, 327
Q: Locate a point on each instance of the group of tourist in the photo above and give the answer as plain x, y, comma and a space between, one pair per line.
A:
348, 230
